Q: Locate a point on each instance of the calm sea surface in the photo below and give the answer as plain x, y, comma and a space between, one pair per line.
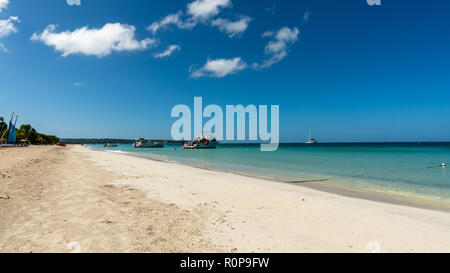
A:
411, 169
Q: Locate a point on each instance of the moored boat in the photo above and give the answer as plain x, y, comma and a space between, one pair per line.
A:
142, 143
201, 142
109, 145
311, 140
6, 145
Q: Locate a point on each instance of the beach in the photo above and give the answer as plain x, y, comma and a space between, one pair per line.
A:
65, 199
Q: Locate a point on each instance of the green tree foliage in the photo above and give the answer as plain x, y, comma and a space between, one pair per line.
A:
3, 124
26, 132
3, 130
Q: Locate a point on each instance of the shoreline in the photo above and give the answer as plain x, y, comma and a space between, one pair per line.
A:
371, 195
247, 214
52, 197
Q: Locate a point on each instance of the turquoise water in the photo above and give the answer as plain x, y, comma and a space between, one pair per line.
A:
411, 169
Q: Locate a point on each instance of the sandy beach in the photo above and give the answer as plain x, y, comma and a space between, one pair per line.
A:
64, 199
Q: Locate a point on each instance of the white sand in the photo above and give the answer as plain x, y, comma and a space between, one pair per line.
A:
53, 199
111, 202
252, 215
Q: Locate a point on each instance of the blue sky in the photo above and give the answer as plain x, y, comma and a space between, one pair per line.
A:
351, 71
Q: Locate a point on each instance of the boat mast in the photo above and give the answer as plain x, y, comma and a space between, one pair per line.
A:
10, 121
7, 129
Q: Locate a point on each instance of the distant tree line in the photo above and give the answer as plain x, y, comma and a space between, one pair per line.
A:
95, 141
108, 140
28, 133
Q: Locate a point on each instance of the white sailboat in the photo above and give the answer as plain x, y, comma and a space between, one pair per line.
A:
311, 140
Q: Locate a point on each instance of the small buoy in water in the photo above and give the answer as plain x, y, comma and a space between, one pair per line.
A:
443, 165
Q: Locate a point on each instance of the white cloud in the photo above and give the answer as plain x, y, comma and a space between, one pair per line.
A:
78, 84
232, 28
197, 11
73, 2
202, 11
219, 68
3, 4
205, 9
3, 48
171, 19
278, 47
287, 34
7, 26
96, 41
268, 34
306, 16
166, 53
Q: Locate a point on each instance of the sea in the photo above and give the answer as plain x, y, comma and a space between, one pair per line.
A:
409, 171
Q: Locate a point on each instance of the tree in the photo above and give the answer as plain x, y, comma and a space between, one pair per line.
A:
30, 134
3, 128
3, 125
27, 132
40, 139
51, 139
